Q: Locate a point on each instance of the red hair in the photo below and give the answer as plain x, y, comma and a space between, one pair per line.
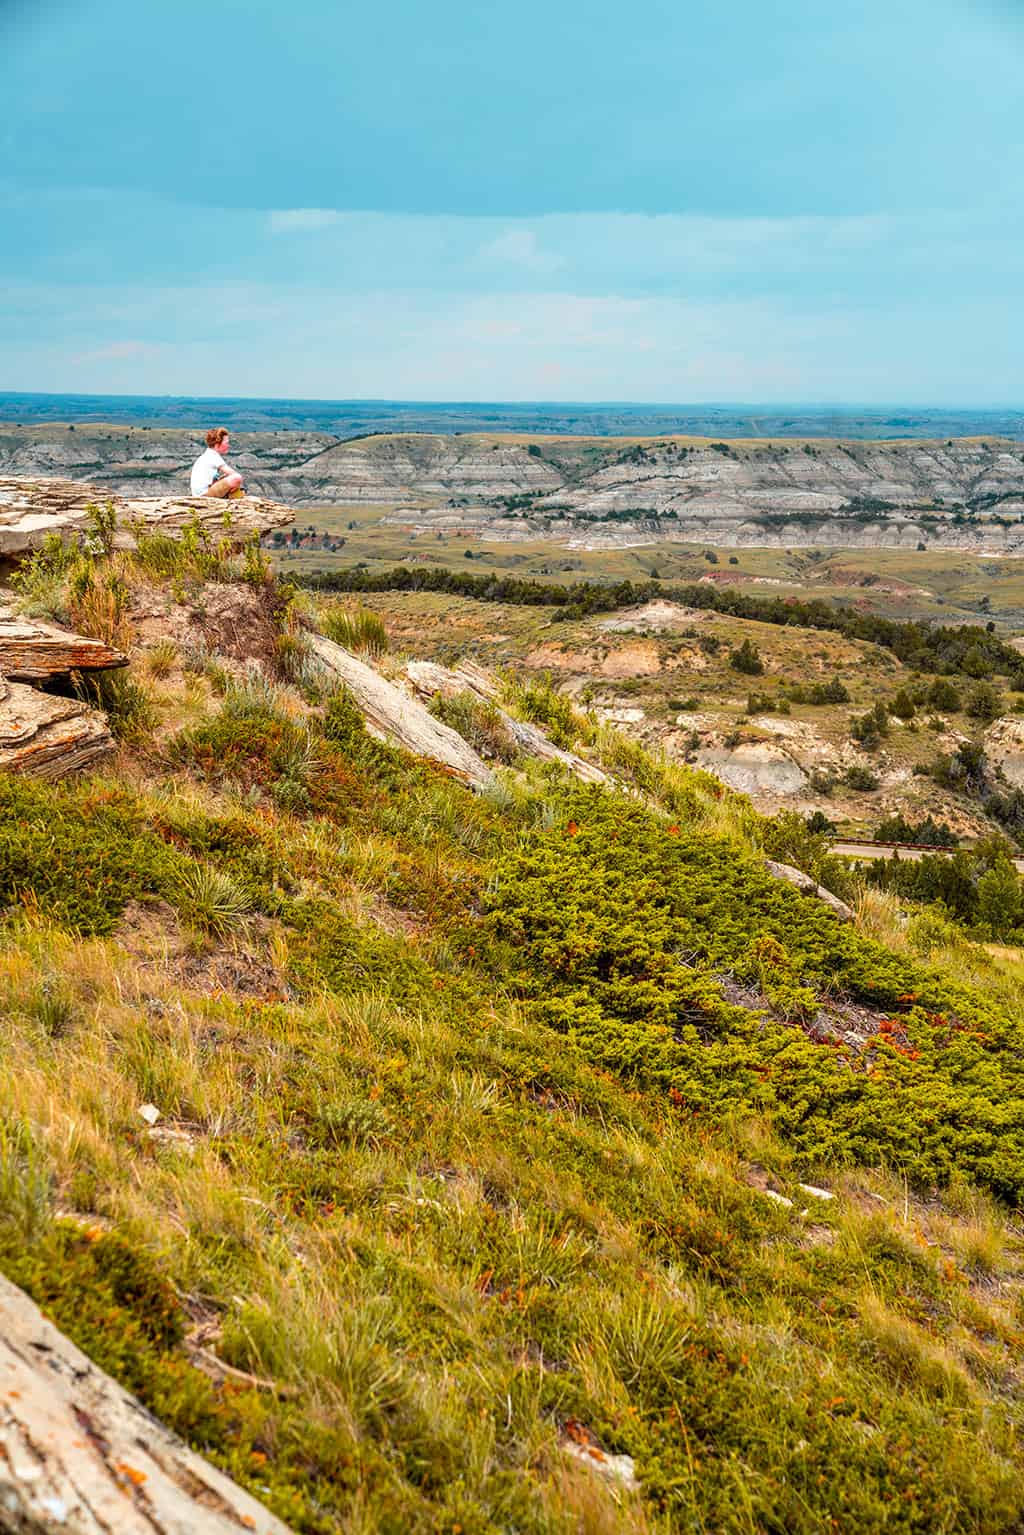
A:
215, 436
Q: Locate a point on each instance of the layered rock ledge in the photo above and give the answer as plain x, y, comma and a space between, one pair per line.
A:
45, 736
34, 651
30, 509
79, 1454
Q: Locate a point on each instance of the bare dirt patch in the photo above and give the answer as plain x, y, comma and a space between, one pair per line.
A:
657, 617
237, 622
152, 933
550, 657
640, 659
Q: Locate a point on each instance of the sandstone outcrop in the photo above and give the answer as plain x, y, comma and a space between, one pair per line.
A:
1004, 745
808, 886
30, 509
34, 651
754, 768
78, 1454
396, 717
45, 736
429, 679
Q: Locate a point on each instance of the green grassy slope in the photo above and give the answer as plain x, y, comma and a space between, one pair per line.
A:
472, 1113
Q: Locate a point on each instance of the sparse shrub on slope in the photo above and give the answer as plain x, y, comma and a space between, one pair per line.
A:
542, 704
360, 630
254, 748
746, 658
478, 722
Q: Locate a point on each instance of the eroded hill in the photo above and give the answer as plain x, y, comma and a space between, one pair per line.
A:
591, 492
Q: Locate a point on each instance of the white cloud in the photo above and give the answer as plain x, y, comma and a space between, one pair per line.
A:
117, 351
520, 248
296, 220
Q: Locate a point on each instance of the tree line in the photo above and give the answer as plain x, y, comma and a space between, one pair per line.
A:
971, 650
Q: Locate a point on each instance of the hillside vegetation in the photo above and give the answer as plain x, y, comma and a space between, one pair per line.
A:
499, 1135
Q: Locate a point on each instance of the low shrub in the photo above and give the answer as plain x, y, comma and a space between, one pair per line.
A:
746, 658
616, 927
79, 857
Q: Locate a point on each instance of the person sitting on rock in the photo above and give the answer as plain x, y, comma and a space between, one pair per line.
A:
211, 474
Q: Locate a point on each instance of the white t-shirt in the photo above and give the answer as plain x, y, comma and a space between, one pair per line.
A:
204, 471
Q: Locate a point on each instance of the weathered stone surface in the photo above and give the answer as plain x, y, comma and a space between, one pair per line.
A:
389, 468
754, 767
1004, 745
44, 736
34, 651
30, 509
807, 886
393, 715
428, 679
79, 1456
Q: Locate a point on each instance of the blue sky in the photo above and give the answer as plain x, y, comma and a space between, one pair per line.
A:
668, 202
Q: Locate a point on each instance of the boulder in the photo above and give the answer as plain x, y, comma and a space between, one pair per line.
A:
34, 651
30, 509
807, 886
45, 736
1004, 746
754, 768
78, 1453
394, 716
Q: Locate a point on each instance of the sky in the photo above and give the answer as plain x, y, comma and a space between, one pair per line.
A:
668, 202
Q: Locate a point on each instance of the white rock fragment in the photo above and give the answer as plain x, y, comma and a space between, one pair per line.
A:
779, 1199
815, 1193
166, 1135
149, 1112
617, 1468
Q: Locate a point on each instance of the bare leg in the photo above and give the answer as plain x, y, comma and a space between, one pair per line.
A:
226, 486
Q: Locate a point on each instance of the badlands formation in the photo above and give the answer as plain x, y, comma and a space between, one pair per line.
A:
966, 493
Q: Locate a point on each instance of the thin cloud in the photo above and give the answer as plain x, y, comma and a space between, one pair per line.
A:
118, 351
520, 248
302, 220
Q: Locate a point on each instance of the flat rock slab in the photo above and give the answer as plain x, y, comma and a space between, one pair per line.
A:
34, 651
31, 509
395, 716
43, 736
78, 1454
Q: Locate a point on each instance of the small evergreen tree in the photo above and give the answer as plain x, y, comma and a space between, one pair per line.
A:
943, 697
984, 702
746, 658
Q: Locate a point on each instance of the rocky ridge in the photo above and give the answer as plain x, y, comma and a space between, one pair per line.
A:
31, 509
